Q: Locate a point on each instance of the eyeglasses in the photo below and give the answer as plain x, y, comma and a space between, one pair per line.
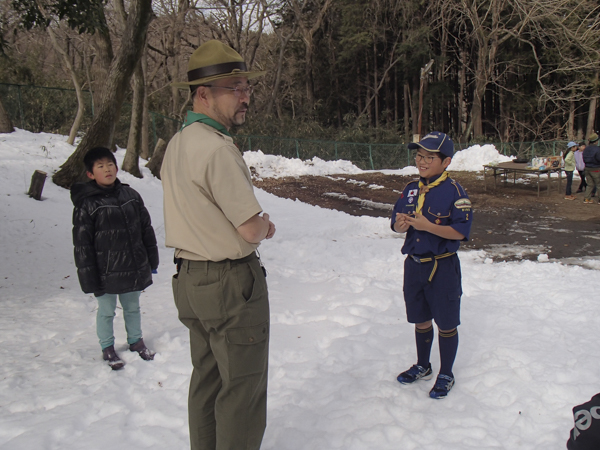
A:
428, 159
237, 91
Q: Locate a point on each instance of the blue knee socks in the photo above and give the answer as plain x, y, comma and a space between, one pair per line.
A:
448, 348
424, 339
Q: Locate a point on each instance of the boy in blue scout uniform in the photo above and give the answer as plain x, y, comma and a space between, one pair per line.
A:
435, 213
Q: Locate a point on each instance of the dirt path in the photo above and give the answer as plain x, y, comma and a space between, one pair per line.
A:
511, 222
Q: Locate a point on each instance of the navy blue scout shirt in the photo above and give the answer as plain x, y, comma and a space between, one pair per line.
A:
445, 204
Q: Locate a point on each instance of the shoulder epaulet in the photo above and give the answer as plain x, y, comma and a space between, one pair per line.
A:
459, 188
416, 180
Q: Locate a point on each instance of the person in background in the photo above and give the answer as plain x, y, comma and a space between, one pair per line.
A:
591, 158
569, 159
215, 224
115, 250
580, 166
435, 213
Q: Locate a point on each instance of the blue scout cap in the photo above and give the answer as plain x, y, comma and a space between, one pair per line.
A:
435, 142
572, 144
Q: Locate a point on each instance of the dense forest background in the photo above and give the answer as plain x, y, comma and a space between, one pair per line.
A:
350, 70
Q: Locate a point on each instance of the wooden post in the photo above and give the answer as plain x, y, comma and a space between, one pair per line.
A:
37, 184
156, 160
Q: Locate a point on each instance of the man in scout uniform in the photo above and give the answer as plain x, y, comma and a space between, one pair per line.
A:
591, 159
214, 223
435, 213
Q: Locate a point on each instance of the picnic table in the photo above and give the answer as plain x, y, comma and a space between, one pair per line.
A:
506, 168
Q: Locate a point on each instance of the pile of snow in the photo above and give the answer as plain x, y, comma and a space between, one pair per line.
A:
339, 337
272, 166
275, 166
475, 157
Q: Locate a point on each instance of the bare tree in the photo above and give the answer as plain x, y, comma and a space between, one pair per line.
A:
53, 27
283, 40
101, 131
309, 17
239, 23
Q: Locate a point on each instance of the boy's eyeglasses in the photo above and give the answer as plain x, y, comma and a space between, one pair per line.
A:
428, 159
237, 91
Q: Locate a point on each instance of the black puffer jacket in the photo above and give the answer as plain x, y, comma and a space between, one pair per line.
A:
115, 246
591, 157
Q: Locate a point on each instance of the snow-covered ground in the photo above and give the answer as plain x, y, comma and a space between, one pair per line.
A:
528, 350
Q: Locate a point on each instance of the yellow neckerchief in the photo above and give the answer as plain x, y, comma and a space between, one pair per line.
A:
424, 189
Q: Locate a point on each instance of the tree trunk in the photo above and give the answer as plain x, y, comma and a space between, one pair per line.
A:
375, 88
571, 121
101, 62
481, 82
592, 110
308, 73
462, 83
308, 38
407, 108
101, 132
6, 125
76, 84
592, 116
134, 142
145, 150
414, 105
358, 92
396, 113
158, 155
283, 42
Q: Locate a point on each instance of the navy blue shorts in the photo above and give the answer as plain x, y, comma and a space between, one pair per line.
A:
439, 299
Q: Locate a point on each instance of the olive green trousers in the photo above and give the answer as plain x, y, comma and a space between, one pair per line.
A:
225, 305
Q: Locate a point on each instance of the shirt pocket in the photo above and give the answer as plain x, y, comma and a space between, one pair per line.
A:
438, 217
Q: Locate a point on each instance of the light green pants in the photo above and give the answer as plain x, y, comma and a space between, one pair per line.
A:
107, 304
225, 305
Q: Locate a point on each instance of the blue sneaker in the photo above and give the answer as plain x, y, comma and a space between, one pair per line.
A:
415, 373
442, 386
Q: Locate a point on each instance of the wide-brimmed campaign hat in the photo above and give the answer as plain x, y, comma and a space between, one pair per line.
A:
435, 142
214, 60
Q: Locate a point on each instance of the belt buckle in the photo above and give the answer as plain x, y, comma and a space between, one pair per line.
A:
416, 259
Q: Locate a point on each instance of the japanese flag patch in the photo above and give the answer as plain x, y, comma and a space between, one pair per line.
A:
413, 192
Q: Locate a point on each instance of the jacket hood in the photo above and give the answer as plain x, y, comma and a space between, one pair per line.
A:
81, 191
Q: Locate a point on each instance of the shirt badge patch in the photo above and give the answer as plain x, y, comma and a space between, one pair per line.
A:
438, 221
462, 203
413, 192
411, 199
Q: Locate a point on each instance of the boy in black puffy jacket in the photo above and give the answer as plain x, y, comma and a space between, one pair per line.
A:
115, 250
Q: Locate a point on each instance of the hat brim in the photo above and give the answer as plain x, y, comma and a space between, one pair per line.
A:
235, 73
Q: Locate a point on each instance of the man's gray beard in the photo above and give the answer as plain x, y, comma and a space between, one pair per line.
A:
235, 125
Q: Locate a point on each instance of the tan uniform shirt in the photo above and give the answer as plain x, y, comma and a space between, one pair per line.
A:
208, 193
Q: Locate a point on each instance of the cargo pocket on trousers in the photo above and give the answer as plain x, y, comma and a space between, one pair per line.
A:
247, 350
208, 301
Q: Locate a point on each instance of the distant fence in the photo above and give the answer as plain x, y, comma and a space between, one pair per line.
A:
377, 156
52, 110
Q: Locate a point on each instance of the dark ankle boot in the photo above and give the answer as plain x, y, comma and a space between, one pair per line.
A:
143, 351
110, 356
